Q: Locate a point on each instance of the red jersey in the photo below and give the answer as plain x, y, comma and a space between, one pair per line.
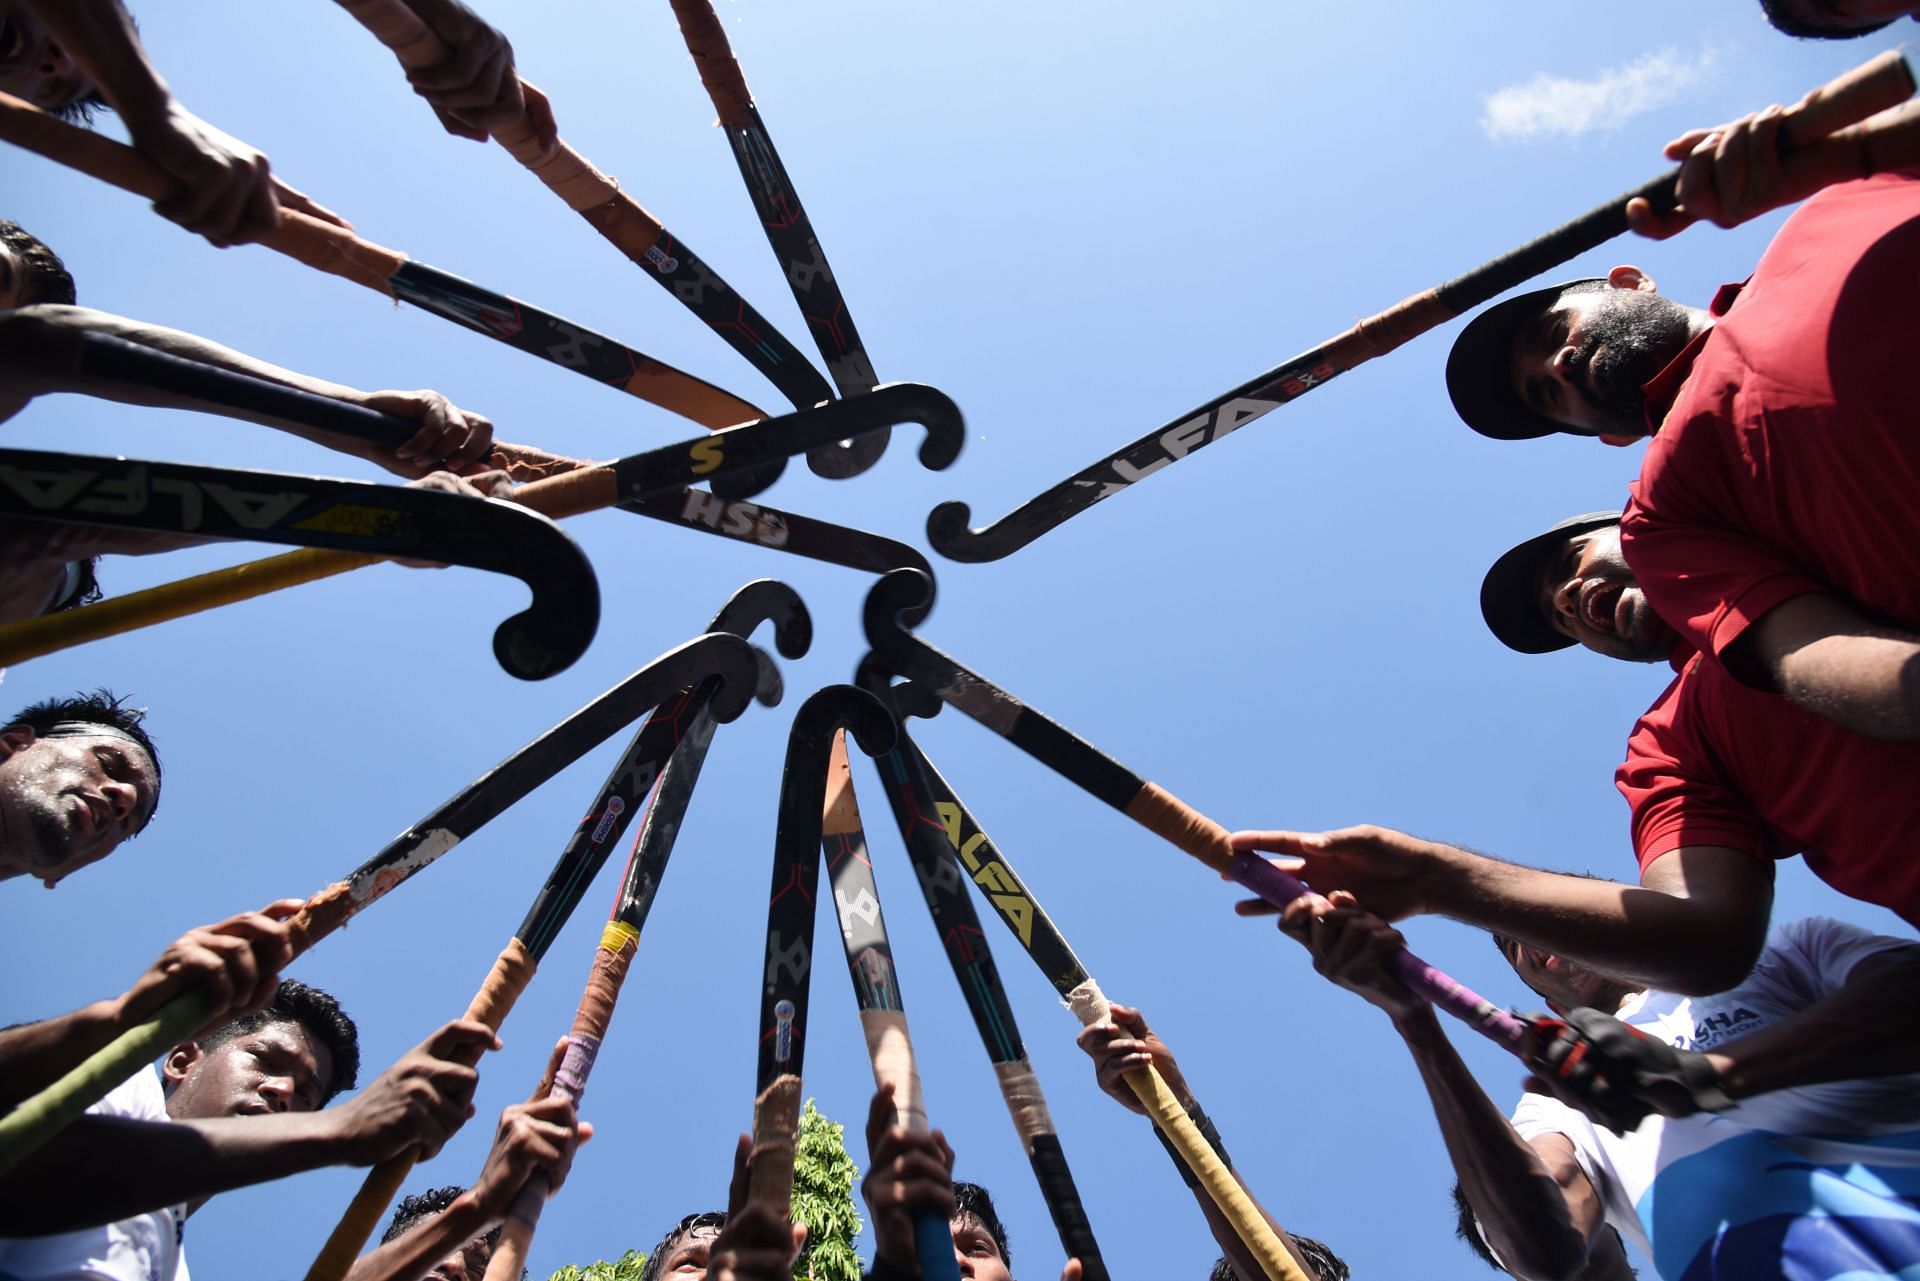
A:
1714, 762
1786, 458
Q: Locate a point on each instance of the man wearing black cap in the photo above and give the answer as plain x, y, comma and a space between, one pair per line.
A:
1773, 524
1722, 779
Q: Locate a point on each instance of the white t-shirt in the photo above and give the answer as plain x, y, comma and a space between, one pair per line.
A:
144, 1248
1818, 1183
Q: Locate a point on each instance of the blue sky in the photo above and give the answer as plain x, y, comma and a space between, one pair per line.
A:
1079, 220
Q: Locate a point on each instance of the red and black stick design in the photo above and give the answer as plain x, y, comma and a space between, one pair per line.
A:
620, 219
763, 600
1884, 82
939, 833
790, 914
725, 691
789, 230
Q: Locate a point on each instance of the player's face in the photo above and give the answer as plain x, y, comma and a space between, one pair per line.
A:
977, 1253
1583, 361
33, 66
1588, 593
69, 802
468, 1263
686, 1257
1565, 984
277, 1067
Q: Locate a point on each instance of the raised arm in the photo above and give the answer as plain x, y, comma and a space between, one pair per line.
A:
1537, 1208
1695, 924
1824, 655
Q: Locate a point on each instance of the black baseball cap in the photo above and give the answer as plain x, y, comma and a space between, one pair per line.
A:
1510, 593
1479, 375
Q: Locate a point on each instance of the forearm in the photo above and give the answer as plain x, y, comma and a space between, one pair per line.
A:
1521, 1204
1684, 931
1869, 1028
100, 37
1869, 684
35, 1055
1245, 1264
414, 1252
101, 1169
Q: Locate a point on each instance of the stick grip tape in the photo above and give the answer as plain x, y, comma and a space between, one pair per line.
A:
45, 1114
511, 972
1166, 815
1021, 1089
776, 1132
1063, 1203
719, 69
34, 637
890, 1050
1281, 888
321, 245
1091, 1006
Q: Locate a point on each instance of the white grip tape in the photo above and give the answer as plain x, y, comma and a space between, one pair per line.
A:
892, 1055
1021, 1089
1089, 1004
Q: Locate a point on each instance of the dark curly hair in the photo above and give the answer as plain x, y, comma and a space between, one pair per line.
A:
43, 277
657, 1258
971, 1201
316, 1012
101, 707
1788, 23
1322, 1263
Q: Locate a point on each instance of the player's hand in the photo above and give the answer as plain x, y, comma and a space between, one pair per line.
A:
758, 1242
1123, 1043
541, 1136
1352, 947
1388, 871
1617, 1074
418, 1102
476, 90
300, 202
908, 1173
450, 438
225, 188
486, 484
235, 964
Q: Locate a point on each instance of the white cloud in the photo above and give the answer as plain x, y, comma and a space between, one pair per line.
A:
1550, 106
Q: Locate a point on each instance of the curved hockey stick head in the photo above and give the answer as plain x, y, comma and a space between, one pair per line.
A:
555, 629
848, 458
899, 595
949, 533
722, 656
747, 449
768, 687
768, 600
839, 707
908, 698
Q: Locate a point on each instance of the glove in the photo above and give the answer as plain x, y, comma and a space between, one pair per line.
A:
1618, 1075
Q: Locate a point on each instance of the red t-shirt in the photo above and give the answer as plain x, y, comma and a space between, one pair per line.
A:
1787, 455
1714, 762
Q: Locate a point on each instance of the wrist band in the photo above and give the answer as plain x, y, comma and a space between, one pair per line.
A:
1208, 1131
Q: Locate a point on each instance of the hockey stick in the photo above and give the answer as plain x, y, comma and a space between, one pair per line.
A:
789, 230
1148, 804
1871, 87
790, 913
646, 866
935, 838
746, 450
43, 1115
357, 522
876, 987
1022, 913
724, 695
620, 219
339, 252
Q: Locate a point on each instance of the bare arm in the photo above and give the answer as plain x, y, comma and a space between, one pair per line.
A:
1538, 1210
1824, 655
1695, 924
1870, 1027
35, 343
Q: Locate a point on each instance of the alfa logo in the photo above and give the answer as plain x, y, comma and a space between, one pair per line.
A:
1177, 441
83, 490
1008, 896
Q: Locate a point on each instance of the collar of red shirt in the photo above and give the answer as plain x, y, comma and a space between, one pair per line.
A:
1664, 388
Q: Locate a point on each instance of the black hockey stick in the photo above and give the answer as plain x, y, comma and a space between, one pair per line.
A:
355, 521
790, 913
1872, 87
475, 805
876, 987
1148, 804
339, 252
789, 230
620, 219
1010, 899
724, 695
937, 835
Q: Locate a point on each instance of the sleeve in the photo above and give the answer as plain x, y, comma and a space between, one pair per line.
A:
1815, 956
1676, 794
1537, 1114
138, 1098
